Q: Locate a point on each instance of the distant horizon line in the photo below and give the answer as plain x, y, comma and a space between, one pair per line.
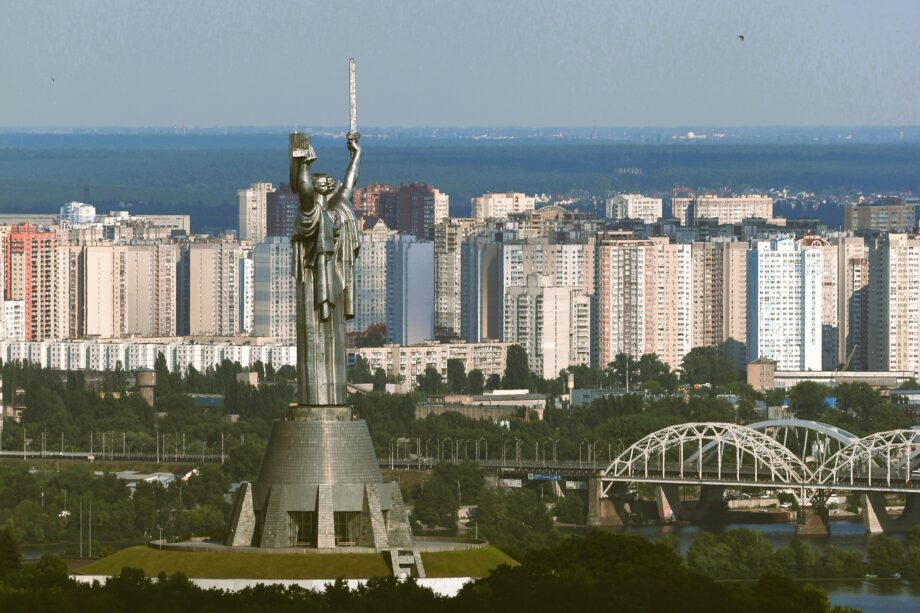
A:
339, 128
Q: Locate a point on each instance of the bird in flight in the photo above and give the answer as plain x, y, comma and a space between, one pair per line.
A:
741, 37
52, 79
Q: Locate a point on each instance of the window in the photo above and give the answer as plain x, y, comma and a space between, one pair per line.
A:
302, 528
347, 527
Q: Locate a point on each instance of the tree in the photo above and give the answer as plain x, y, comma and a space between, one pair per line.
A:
430, 380
517, 371
806, 400
437, 505
10, 558
475, 382
456, 376
380, 380
706, 365
885, 556
361, 371
570, 509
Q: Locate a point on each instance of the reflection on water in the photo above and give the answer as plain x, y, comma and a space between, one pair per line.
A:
867, 596
844, 534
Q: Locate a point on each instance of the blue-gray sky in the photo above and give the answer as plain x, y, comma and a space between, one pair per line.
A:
467, 63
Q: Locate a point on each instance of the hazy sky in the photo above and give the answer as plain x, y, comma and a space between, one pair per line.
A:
459, 63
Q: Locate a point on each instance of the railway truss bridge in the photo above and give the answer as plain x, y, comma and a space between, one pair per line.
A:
811, 460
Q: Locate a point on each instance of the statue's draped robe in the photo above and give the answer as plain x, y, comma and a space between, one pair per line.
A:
325, 242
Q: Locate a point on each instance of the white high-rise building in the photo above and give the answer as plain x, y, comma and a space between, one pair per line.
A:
253, 211
551, 323
78, 213
371, 278
247, 290
784, 304
634, 206
275, 292
410, 290
894, 304
500, 206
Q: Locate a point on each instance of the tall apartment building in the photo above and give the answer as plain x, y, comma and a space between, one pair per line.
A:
830, 309
494, 261
410, 290
634, 206
886, 215
414, 208
274, 295
281, 208
481, 288
500, 206
253, 211
214, 287
448, 240
784, 304
371, 278
726, 210
894, 304
366, 200
29, 276
247, 291
104, 290
642, 299
150, 283
853, 302
551, 323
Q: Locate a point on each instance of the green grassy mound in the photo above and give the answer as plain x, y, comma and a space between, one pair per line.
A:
240, 565
472, 563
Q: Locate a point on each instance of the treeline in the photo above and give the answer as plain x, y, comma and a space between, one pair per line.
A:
599, 572
746, 554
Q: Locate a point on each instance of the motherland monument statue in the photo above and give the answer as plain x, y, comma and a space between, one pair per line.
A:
320, 485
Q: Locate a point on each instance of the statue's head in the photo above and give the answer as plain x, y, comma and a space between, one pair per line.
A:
324, 184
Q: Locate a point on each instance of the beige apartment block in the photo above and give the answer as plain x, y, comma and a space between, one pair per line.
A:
214, 287
448, 241
253, 211
894, 296
500, 206
726, 210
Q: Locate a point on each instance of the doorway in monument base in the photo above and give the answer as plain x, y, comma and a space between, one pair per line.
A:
302, 528
348, 526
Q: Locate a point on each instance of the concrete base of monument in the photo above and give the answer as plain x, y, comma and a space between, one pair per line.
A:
421, 543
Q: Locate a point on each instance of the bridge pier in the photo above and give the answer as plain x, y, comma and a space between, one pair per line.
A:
877, 520
667, 499
604, 512
812, 521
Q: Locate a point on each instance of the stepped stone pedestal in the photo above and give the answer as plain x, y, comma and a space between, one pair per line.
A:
319, 487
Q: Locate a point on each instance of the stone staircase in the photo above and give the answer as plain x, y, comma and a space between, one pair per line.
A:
406, 563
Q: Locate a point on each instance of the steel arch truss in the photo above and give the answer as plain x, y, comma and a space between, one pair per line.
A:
710, 452
812, 441
881, 459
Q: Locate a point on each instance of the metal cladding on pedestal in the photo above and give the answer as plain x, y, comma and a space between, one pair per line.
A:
319, 486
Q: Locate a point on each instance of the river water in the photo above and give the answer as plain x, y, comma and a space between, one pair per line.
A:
866, 595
